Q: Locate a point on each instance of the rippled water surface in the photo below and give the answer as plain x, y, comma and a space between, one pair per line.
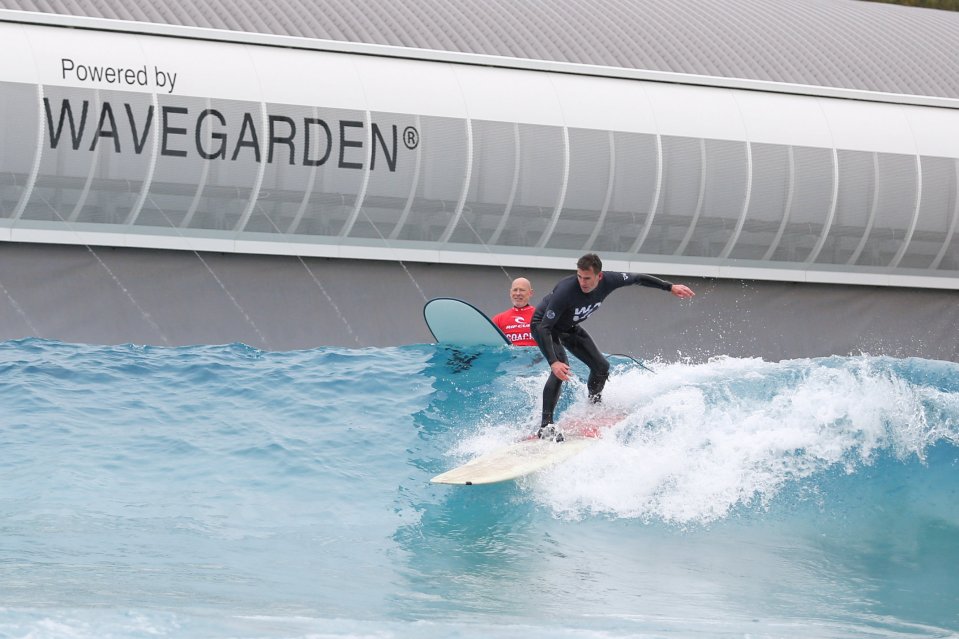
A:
222, 491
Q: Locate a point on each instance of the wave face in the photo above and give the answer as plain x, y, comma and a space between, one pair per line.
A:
230, 492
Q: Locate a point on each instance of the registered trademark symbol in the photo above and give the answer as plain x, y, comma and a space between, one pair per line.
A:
411, 137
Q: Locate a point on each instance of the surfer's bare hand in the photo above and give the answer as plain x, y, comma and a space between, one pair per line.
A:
681, 291
561, 370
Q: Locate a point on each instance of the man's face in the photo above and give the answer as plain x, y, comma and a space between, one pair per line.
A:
588, 279
520, 292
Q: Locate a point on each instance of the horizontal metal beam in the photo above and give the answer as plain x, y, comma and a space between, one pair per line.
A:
83, 234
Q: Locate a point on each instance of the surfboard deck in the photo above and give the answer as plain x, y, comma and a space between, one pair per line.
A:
453, 321
514, 461
529, 455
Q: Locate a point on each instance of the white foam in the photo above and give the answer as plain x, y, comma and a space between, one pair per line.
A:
701, 440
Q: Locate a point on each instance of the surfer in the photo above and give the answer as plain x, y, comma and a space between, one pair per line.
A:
556, 327
515, 322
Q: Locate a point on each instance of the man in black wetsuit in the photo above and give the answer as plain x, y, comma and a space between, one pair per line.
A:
556, 327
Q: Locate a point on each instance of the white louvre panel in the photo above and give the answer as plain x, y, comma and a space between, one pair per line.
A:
936, 130
605, 104
697, 112
12, 69
399, 86
784, 119
286, 76
870, 126
508, 95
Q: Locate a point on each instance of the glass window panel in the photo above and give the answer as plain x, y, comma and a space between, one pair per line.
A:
727, 175
587, 188
289, 175
895, 209
337, 155
679, 204
444, 150
937, 210
634, 188
96, 151
237, 146
18, 140
812, 201
495, 151
392, 171
950, 260
191, 187
767, 202
542, 165
854, 206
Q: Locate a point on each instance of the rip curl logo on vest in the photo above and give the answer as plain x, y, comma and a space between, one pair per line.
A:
585, 311
519, 319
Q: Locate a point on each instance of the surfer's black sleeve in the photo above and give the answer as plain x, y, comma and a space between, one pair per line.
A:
544, 339
651, 281
542, 330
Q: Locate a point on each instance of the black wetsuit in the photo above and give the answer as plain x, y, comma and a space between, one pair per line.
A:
556, 324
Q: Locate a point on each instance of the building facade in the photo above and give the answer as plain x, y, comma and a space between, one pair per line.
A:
191, 136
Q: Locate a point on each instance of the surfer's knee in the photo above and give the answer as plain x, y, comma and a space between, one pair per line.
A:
596, 382
599, 371
602, 368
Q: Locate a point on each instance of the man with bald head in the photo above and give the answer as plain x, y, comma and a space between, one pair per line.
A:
514, 322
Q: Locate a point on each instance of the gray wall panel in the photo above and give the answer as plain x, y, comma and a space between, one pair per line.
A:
108, 295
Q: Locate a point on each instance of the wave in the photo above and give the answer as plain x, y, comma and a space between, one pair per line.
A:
703, 442
698, 443
245, 484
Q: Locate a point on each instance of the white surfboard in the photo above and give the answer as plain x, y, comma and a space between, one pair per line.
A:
514, 461
529, 455
453, 321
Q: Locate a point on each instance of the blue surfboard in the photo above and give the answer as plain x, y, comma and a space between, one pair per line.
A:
453, 321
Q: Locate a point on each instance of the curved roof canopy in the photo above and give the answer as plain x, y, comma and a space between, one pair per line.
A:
848, 44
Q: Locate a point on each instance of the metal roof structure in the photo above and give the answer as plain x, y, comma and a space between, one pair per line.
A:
848, 44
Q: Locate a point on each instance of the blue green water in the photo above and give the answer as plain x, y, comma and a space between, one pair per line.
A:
222, 491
